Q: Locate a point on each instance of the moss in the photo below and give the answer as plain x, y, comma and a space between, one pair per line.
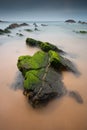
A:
28, 30
4, 31
31, 80
23, 64
55, 59
45, 46
54, 55
32, 42
83, 31
37, 61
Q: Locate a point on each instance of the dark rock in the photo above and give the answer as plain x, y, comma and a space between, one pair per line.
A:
12, 26
82, 32
70, 21
4, 31
28, 30
44, 25
15, 25
81, 22
36, 29
24, 24
1, 21
19, 34
76, 96
35, 24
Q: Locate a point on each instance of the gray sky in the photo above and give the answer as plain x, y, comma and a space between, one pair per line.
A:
43, 9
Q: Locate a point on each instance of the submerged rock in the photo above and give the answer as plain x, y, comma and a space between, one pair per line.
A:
19, 34
15, 25
70, 21
35, 24
45, 46
44, 25
82, 22
23, 24
36, 29
81, 31
4, 31
76, 96
28, 30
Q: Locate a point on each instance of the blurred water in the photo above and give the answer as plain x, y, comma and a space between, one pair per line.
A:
63, 114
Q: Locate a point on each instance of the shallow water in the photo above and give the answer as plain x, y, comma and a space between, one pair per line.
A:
60, 114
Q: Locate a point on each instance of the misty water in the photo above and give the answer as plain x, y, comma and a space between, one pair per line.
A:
60, 114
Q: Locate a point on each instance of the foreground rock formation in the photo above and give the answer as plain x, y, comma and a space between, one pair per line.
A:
43, 73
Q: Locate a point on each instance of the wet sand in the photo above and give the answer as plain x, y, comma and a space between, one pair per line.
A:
60, 114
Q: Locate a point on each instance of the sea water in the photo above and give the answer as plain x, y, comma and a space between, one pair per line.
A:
60, 114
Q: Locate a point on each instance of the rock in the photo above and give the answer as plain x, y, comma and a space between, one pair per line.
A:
41, 82
45, 46
1, 21
82, 32
70, 21
28, 30
12, 26
42, 76
44, 25
19, 34
76, 96
81, 22
36, 29
4, 31
15, 25
35, 24
24, 24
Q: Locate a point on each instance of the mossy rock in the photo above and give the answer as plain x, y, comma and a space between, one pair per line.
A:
42, 75
82, 32
28, 30
23, 64
45, 46
37, 61
33, 42
4, 31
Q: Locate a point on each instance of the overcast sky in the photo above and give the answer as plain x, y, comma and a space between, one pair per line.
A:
43, 9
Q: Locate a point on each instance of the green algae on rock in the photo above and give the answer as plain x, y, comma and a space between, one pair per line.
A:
4, 31
42, 75
28, 30
45, 46
41, 81
81, 32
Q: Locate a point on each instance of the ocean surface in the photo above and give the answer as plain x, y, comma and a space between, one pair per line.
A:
60, 114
